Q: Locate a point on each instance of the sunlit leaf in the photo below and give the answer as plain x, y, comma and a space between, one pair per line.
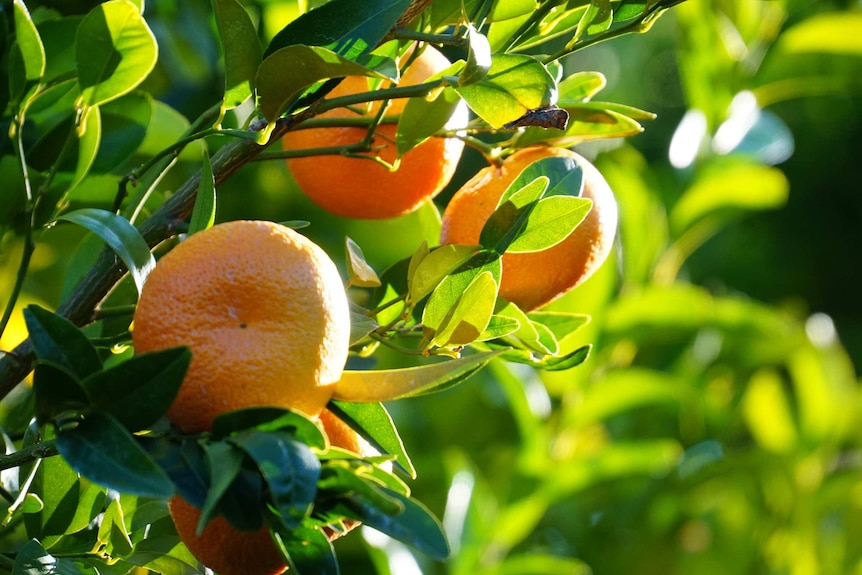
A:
470, 316
241, 48
29, 42
439, 263
478, 58
376, 425
359, 273
550, 222
827, 33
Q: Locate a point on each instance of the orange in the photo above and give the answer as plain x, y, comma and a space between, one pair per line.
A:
534, 279
264, 312
364, 189
228, 551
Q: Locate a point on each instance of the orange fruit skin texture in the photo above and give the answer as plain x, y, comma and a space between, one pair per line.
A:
532, 280
364, 189
228, 551
264, 312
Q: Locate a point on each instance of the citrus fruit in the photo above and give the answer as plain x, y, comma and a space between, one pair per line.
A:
262, 309
228, 551
364, 189
534, 279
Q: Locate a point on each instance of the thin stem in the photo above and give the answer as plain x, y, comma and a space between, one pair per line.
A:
446, 39
29, 454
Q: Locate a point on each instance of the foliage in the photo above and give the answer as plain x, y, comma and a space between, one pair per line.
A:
642, 424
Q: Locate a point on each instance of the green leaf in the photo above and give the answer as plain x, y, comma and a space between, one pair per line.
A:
57, 391
32, 559
241, 49
124, 127
478, 58
541, 564
510, 217
499, 326
514, 85
225, 463
629, 10
567, 361
359, 273
550, 222
308, 65
436, 265
138, 391
423, 117
415, 526
388, 384
112, 530
114, 50
827, 33
307, 550
596, 19
57, 36
57, 340
89, 140
373, 422
29, 43
121, 235
289, 468
588, 121
527, 336
265, 418
102, 450
203, 214
581, 86
562, 324
348, 27
470, 316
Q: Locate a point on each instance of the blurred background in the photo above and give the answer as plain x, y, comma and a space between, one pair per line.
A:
715, 428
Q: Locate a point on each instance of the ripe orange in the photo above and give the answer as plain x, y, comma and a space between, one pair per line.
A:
364, 189
532, 280
262, 309
228, 551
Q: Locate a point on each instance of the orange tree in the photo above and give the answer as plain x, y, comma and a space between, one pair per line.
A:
91, 98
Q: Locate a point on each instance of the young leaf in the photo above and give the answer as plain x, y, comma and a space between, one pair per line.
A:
241, 49
29, 43
514, 85
351, 28
57, 391
122, 236
114, 50
308, 65
203, 214
57, 340
306, 550
388, 384
103, 451
550, 222
435, 266
138, 391
415, 526
505, 224
289, 468
470, 316
359, 273
499, 326
373, 422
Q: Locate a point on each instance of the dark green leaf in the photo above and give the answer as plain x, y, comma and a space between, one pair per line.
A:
347, 27
308, 551
185, 463
57, 36
55, 339
266, 418
57, 391
203, 214
514, 85
32, 559
121, 235
114, 50
241, 49
138, 391
415, 526
289, 468
340, 481
102, 450
124, 126
373, 422
225, 462
29, 42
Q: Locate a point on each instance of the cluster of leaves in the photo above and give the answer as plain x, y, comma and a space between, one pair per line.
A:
82, 128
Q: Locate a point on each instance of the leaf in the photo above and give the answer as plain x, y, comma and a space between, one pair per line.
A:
514, 85
241, 49
203, 214
57, 391
138, 391
121, 236
114, 51
308, 65
499, 326
89, 139
289, 469
55, 339
587, 121
183, 460
29, 43
596, 19
308, 550
470, 316
124, 127
423, 117
568, 361
581, 86
827, 33
102, 450
435, 266
562, 324
478, 58
550, 222
347, 27
265, 418
225, 463
389, 384
359, 273
373, 422
507, 221
415, 526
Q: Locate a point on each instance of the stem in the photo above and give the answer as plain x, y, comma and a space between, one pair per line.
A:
28, 455
449, 39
